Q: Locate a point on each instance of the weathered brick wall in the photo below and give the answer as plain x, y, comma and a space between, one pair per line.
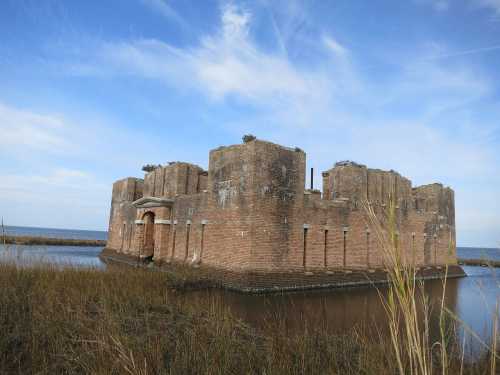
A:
439, 203
174, 179
277, 199
243, 218
251, 212
424, 216
122, 213
348, 180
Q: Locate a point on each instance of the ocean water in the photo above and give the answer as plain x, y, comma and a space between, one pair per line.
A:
478, 253
78, 256
56, 233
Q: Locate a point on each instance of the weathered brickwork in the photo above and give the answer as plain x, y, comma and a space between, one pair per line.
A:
250, 214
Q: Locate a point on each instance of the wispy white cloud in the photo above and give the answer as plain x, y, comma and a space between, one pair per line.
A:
472, 51
32, 137
59, 197
437, 5
59, 179
335, 46
324, 97
227, 63
493, 5
166, 10
31, 130
418, 119
444, 5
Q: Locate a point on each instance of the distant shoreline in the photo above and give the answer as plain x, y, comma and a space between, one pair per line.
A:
29, 240
479, 262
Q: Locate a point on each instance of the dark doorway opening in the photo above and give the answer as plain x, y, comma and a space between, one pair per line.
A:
149, 235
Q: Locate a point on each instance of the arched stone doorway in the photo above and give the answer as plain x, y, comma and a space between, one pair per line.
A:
149, 235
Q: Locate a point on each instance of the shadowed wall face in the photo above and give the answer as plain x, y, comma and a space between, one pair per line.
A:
123, 213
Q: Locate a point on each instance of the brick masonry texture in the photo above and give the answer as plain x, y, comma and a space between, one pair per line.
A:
250, 215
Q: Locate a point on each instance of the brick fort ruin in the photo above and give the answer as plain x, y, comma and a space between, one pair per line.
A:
250, 224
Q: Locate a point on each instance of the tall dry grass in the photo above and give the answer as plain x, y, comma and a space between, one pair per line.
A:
65, 320
131, 321
414, 350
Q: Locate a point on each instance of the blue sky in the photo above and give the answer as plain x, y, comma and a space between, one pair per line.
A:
90, 91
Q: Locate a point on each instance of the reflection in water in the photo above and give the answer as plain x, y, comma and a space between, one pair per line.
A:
332, 310
472, 298
66, 255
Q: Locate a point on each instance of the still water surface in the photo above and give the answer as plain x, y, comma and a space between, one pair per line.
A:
472, 298
55, 233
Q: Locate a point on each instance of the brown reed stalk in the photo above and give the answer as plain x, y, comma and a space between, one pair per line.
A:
412, 347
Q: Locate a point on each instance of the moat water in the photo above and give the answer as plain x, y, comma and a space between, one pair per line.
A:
472, 299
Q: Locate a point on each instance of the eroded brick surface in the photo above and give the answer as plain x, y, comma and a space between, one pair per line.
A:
251, 213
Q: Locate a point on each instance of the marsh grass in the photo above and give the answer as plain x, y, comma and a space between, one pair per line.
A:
131, 321
73, 320
414, 351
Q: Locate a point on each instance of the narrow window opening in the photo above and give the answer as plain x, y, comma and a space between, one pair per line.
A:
202, 242
435, 257
368, 187
163, 182
345, 250
426, 253
368, 249
186, 250
413, 252
130, 236
435, 249
450, 248
187, 180
325, 249
124, 233
154, 182
173, 239
305, 248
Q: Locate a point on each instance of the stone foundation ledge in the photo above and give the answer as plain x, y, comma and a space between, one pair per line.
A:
278, 281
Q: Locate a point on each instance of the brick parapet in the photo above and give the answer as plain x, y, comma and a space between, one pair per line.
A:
250, 212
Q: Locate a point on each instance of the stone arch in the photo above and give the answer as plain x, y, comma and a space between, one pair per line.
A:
149, 234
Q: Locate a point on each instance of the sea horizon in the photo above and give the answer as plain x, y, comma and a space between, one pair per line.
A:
21, 230
87, 234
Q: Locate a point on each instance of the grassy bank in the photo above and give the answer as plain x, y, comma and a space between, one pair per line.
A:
123, 321
27, 240
479, 262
